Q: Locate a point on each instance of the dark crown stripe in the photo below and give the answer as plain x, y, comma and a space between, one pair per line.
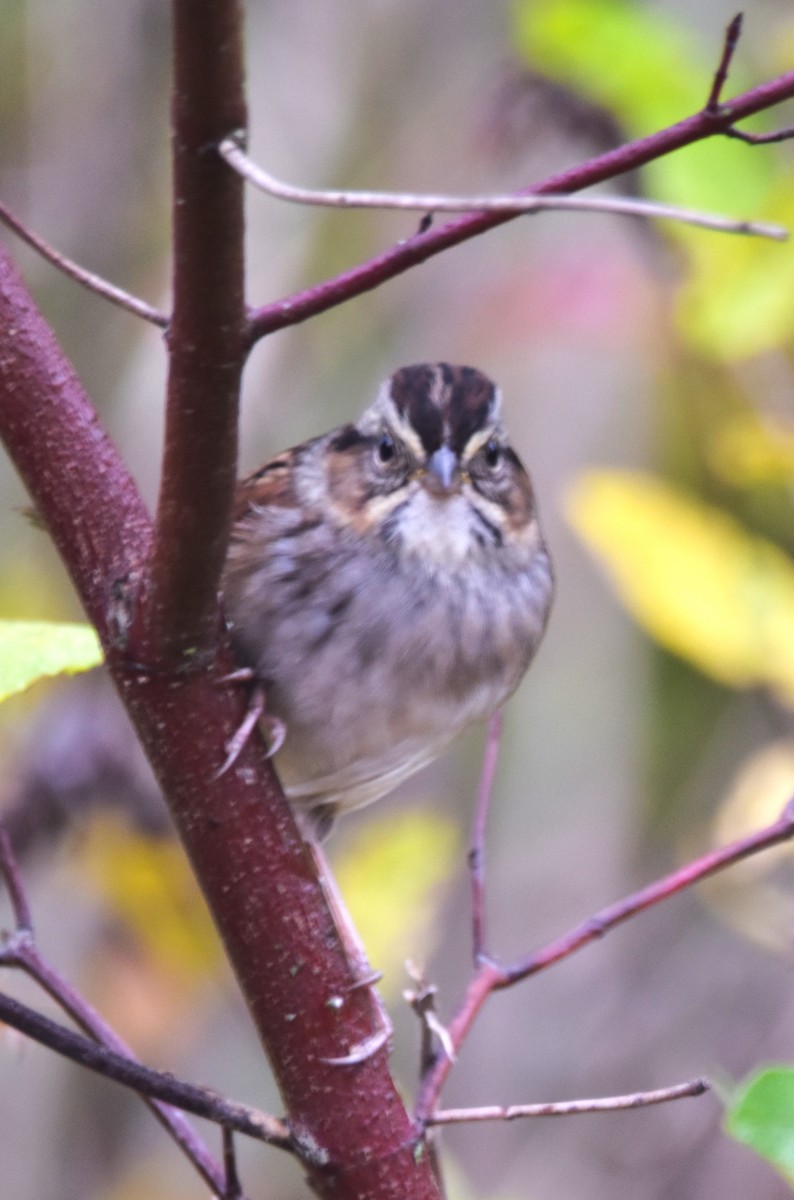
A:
443, 402
470, 406
413, 392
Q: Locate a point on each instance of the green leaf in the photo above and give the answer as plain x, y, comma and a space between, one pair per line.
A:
762, 1117
635, 61
32, 650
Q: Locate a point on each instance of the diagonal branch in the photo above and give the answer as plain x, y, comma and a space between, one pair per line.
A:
418, 249
20, 951
239, 834
155, 1084
595, 927
87, 279
91, 506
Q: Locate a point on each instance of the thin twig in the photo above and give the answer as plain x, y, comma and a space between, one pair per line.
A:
477, 847
156, 1084
87, 279
732, 35
490, 976
10, 872
569, 1108
512, 204
231, 1190
422, 1000
761, 139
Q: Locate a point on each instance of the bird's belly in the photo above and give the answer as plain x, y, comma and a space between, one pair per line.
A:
367, 746
383, 669
352, 736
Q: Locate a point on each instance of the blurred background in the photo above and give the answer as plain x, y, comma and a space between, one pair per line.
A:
647, 376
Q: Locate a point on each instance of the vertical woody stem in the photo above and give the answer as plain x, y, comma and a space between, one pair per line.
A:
207, 335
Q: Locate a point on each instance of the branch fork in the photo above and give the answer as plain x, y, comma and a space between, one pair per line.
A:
717, 109
490, 975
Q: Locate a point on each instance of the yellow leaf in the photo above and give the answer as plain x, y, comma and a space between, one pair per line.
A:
31, 650
390, 875
147, 883
693, 577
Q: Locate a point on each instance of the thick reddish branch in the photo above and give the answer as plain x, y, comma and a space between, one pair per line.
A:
357, 1138
207, 331
409, 253
252, 865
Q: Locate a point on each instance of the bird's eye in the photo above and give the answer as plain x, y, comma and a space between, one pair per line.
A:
493, 454
386, 449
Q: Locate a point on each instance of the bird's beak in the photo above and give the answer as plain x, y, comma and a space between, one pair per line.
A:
442, 467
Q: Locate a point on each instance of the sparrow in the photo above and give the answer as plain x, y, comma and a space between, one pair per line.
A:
387, 584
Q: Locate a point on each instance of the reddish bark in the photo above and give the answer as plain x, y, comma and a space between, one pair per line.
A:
240, 835
152, 595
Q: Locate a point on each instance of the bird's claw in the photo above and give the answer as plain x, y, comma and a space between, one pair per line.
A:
273, 728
